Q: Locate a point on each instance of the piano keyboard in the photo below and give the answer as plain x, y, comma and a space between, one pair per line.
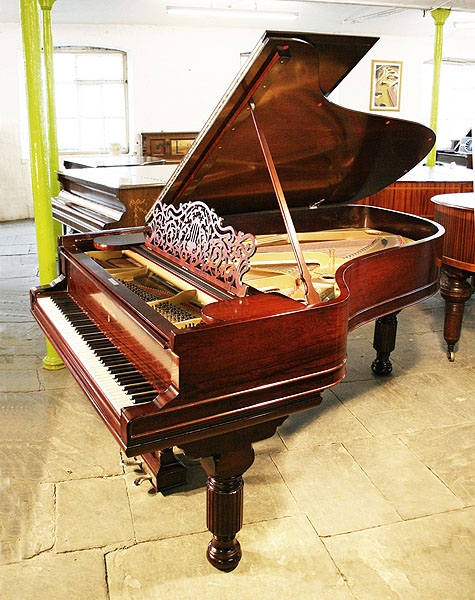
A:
111, 371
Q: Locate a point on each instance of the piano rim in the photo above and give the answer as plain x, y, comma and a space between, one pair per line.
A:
355, 320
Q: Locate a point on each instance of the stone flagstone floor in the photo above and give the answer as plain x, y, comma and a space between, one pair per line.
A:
369, 497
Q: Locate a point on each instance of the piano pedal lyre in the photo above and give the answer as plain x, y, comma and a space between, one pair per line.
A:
139, 480
162, 469
134, 462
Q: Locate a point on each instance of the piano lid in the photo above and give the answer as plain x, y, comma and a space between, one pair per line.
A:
321, 151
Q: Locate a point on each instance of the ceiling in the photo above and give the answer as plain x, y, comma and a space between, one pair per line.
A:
364, 17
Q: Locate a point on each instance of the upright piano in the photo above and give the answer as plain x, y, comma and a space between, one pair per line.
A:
230, 309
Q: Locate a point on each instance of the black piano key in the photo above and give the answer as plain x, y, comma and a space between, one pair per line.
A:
116, 363
129, 376
100, 344
109, 353
116, 366
112, 360
144, 397
85, 329
94, 335
123, 372
137, 387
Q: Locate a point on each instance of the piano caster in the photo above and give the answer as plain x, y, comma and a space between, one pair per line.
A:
384, 343
381, 366
450, 353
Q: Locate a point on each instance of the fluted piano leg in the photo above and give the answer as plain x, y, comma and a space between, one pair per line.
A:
384, 343
225, 458
224, 505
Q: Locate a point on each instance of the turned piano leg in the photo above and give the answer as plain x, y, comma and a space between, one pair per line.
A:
455, 290
225, 458
384, 343
224, 505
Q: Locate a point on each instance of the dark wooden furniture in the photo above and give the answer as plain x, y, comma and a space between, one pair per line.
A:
456, 213
170, 145
101, 199
459, 158
413, 192
198, 335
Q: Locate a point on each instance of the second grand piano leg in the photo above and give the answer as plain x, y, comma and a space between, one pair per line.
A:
224, 504
455, 290
384, 343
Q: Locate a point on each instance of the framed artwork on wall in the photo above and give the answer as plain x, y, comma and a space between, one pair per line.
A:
385, 85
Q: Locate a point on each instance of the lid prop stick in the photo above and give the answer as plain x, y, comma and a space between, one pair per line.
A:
311, 294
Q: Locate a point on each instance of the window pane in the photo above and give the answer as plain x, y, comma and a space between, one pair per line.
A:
63, 65
90, 100
68, 134
66, 100
114, 101
92, 134
112, 66
88, 66
93, 112
115, 131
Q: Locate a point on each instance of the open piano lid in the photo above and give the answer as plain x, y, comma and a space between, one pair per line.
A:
321, 151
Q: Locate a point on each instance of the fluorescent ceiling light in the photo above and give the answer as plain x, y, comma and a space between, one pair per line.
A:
229, 12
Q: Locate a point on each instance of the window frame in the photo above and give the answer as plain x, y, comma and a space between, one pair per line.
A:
68, 49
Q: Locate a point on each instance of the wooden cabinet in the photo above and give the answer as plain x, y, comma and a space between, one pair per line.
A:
171, 145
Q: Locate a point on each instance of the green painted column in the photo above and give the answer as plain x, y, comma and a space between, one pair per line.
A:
38, 154
46, 6
440, 15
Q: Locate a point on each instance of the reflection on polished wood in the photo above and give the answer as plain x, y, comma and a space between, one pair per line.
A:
456, 213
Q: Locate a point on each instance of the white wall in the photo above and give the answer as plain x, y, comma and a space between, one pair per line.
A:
176, 77
355, 90
15, 184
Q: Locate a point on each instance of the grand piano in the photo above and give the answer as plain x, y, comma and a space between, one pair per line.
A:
230, 309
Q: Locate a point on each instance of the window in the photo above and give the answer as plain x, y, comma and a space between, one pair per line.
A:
90, 98
457, 90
